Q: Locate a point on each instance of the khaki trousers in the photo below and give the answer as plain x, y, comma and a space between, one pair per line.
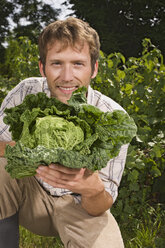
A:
46, 215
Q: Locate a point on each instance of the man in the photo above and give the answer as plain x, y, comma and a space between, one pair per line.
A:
71, 203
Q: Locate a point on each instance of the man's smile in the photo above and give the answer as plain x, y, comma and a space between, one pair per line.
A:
67, 90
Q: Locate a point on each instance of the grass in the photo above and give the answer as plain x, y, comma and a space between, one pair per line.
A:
29, 240
146, 232
149, 230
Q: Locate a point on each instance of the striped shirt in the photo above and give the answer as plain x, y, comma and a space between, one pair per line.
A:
111, 174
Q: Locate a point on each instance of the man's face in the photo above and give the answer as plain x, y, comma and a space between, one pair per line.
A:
67, 69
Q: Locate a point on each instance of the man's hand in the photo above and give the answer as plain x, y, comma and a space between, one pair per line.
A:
81, 181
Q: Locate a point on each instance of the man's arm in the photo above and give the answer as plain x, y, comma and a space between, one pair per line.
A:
97, 204
3, 146
95, 200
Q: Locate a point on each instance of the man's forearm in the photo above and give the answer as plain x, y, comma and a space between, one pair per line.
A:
98, 204
3, 146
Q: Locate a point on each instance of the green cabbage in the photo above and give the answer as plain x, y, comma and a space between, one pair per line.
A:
53, 132
75, 135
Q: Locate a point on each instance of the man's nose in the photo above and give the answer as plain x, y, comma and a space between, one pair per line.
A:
67, 73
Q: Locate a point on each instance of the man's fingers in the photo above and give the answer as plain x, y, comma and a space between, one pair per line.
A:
65, 169
53, 173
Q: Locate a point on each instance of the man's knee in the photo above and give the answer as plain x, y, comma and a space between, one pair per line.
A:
4, 176
110, 235
3, 162
9, 193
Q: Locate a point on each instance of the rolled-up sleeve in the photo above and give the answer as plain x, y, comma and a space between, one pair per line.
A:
5, 135
111, 174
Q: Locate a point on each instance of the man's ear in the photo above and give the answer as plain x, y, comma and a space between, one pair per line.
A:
95, 70
41, 68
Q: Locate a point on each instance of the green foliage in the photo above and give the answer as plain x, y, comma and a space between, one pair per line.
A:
36, 14
123, 24
5, 85
27, 18
6, 8
21, 61
138, 84
148, 229
21, 58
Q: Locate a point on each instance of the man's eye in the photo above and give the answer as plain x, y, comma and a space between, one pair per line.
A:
79, 63
56, 63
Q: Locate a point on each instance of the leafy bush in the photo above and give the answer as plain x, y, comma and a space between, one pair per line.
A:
21, 61
138, 84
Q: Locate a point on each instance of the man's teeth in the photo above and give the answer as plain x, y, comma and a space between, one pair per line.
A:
71, 88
